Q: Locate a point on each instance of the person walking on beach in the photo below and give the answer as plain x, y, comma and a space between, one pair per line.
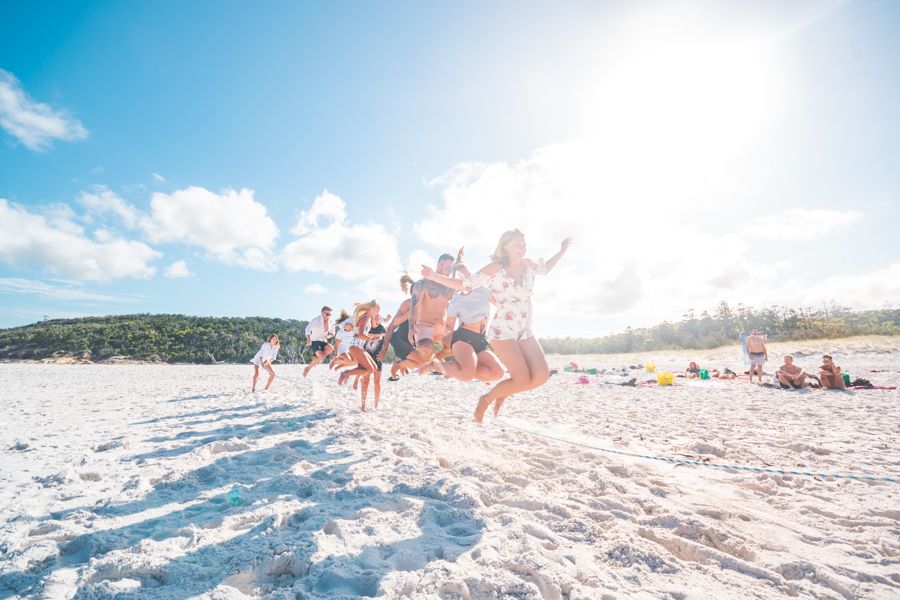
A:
510, 277
263, 359
756, 350
318, 331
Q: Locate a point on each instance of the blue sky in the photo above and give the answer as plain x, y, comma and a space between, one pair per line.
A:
716, 151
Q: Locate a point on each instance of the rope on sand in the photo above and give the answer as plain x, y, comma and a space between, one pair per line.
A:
700, 463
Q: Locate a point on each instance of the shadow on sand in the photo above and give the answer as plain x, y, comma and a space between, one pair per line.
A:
261, 537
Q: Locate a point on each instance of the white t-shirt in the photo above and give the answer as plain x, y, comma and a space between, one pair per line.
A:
267, 352
471, 307
345, 337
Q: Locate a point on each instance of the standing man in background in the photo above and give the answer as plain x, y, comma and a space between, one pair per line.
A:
756, 349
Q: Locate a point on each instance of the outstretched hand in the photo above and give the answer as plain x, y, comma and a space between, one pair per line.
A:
427, 272
565, 244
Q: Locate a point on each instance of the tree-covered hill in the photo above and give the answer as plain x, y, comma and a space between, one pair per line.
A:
725, 325
205, 340
168, 338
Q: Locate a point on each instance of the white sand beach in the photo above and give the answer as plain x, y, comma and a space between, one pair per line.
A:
159, 481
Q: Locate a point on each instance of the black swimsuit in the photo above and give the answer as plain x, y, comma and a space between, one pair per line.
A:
478, 341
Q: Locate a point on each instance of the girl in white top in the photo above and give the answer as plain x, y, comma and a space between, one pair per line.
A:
510, 277
343, 338
268, 352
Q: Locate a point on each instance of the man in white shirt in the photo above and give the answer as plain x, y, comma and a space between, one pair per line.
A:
318, 331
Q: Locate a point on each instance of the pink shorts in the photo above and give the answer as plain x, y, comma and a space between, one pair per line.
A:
428, 332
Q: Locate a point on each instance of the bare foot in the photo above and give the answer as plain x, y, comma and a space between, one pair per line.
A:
497, 404
431, 366
481, 408
343, 377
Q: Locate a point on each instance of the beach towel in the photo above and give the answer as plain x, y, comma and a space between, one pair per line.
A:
871, 387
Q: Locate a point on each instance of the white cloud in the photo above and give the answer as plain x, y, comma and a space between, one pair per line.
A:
315, 288
28, 238
639, 257
177, 270
34, 124
329, 243
157, 177
802, 225
100, 199
417, 258
231, 226
871, 289
12, 285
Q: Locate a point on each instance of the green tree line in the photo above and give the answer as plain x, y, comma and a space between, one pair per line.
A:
169, 338
724, 325
207, 340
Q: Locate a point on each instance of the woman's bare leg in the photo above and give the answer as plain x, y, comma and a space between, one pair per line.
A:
519, 377
537, 367
271, 376
377, 386
489, 367
465, 365
255, 377
364, 360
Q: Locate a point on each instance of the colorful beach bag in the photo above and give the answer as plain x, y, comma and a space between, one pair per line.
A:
665, 378
704, 374
650, 367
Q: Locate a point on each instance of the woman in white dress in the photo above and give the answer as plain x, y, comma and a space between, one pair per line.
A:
263, 359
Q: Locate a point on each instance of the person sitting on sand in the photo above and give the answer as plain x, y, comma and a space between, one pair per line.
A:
263, 359
831, 375
756, 349
790, 375
693, 371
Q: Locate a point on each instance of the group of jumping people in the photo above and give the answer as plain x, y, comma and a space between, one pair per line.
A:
447, 314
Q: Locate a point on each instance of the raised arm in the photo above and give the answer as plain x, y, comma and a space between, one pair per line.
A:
548, 265
450, 282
